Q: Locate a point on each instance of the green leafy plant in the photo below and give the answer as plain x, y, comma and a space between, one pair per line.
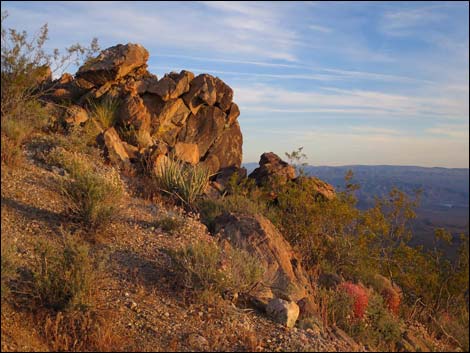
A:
93, 194
62, 276
104, 111
204, 265
184, 181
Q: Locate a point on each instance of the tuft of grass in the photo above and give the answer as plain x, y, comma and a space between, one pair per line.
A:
186, 182
62, 277
211, 209
170, 224
204, 265
104, 111
8, 266
14, 134
93, 195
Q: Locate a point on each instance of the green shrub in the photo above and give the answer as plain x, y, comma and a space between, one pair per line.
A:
104, 111
186, 182
8, 266
204, 265
210, 209
93, 195
170, 224
62, 276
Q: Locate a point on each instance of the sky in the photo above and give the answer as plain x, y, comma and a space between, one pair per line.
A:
350, 82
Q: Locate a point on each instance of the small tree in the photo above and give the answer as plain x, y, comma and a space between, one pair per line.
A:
26, 64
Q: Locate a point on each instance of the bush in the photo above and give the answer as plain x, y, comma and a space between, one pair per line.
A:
104, 111
210, 209
170, 223
359, 298
92, 195
8, 266
63, 276
186, 182
203, 265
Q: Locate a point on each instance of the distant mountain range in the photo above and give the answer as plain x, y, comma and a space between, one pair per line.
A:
444, 198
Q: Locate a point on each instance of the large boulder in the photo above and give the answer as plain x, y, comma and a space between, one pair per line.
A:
284, 276
113, 63
283, 312
117, 152
202, 91
203, 128
317, 186
226, 151
272, 169
172, 85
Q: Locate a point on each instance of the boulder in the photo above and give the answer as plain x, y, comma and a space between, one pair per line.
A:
202, 91
224, 95
272, 169
317, 186
173, 113
172, 86
187, 152
233, 114
226, 151
132, 111
284, 276
117, 153
203, 128
113, 63
283, 312
75, 115
65, 78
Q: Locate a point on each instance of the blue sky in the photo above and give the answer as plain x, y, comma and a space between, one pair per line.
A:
351, 82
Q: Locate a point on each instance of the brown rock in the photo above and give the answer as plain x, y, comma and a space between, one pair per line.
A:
133, 112
75, 115
317, 186
203, 128
187, 152
283, 312
272, 168
233, 114
66, 78
227, 148
284, 276
175, 112
61, 94
143, 85
202, 91
172, 86
224, 94
116, 151
159, 162
113, 63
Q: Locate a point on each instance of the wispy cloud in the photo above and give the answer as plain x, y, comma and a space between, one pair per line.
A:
318, 28
353, 102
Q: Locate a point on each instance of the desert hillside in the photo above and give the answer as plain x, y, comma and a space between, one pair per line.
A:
129, 224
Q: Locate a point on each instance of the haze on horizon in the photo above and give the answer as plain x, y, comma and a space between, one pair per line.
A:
353, 83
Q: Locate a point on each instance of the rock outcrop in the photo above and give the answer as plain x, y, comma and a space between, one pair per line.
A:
195, 117
273, 170
284, 276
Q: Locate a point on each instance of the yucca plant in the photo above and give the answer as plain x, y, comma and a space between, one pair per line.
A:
182, 180
104, 111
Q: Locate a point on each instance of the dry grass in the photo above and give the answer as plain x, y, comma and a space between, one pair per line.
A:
92, 192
